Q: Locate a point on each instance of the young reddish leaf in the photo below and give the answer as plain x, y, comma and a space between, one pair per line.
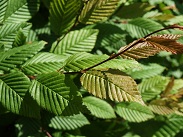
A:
166, 42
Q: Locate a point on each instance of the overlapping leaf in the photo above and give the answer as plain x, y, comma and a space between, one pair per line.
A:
50, 90
43, 63
84, 60
171, 127
19, 55
139, 27
8, 33
152, 45
134, 112
75, 42
63, 14
13, 88
97, 10
99, 108
160, 107
17, 11
111, 84
68, 122
145, 71
152, 87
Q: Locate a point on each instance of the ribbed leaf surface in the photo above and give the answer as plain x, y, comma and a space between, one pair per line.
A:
13, 88
111, 84
75, 42
99, 108
139, 27
8, 33
17, 56
160, 107
17, 11
97, 10
63, 14
138, 51
48, 91
43, 63
134, 112
68, 122
83, 60
171, 127
145, 71
152, 87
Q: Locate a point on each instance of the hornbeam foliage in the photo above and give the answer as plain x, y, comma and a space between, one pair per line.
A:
93, 68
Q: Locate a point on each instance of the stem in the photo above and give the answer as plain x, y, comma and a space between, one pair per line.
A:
135, 43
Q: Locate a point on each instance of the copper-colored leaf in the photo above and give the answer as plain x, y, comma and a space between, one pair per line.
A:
140, 50
166, 42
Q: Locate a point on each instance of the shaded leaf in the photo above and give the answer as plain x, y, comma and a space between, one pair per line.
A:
111, 84
68, 122
99, 108
152, 87
63, 14
97, 10
134, 112
145, 71
75, 42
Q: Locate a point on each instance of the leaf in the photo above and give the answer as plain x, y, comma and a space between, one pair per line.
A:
63, 14
139, 27
134, 112
75, 42
145, 71
160, 107
18, 11
152, 87
97, 10
43, 63
84, 60
20, 39
68, 122
171, 127
111, 84
99, 108
138, 51
166, 42
17, 56
13, 90
9, 33
50, 90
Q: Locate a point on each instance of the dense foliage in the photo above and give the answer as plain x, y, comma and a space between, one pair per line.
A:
94, 68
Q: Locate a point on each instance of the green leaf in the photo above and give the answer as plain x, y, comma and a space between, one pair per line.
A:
17, 56
52, 92
171, 127
99, 108
84, 60
17, 11
63, 14
139, 27
20, 39
111, 84
97, 10
134, 112
13, 91
68, 122
43, 63
75, 42
9, 33
146, 71
152, 87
